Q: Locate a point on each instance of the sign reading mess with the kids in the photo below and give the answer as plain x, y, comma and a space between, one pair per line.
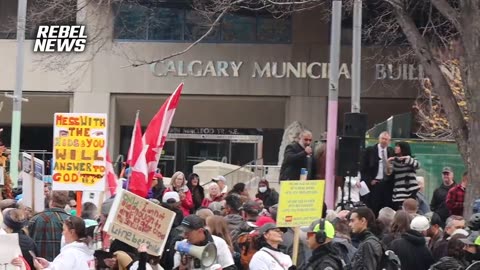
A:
79, 151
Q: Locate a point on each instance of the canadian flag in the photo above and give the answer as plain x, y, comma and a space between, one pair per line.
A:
138, 182
112, 179
156, 132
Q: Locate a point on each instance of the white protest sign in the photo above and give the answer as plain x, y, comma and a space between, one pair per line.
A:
135, 220
9, 249
33, 188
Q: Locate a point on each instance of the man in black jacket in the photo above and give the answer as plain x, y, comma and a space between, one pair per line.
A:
324, 256
411, 247
298, 155
438, 203
373, 173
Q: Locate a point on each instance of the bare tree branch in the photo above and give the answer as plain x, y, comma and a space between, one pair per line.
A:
193, 44
432, 68
448, 12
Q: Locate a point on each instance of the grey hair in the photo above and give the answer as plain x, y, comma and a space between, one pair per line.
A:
450, 219
384, 133
386, 214
305, 131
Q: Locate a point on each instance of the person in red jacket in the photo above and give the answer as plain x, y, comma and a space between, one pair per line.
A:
214, 195
456, 197
179, 185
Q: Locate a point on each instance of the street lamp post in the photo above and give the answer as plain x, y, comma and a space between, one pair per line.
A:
333, 102
17, 94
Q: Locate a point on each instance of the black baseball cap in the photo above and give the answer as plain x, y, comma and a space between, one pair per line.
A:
270, 226
193, 222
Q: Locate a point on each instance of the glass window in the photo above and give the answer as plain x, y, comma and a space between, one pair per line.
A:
238, 28
131, 22
166, 24
179, 23
8, 18
197, 25
271, 30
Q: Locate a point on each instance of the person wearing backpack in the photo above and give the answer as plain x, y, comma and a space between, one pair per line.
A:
370, 251
246, 242
324, 255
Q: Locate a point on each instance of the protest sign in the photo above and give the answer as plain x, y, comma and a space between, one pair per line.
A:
79, 151
135, 220
32, 182
9, 250
300, 202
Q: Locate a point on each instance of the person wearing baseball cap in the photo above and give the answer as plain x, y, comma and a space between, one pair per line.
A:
222, 183
439, 198
196, 234
411, 247
324, 255
472, 244
269, 256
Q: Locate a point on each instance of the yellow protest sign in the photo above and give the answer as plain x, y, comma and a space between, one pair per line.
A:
79, 151
135, 221
300, 202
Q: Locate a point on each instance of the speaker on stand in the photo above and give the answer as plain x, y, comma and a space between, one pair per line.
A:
350, 148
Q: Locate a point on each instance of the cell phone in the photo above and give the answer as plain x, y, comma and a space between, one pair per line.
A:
32, 254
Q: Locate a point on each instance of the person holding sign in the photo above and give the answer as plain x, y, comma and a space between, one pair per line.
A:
75, 255
324, 255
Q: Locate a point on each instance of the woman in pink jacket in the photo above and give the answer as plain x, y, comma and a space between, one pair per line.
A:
179, 185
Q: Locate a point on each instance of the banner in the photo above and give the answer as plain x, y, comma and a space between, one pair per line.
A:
300, 202
135, 220
79, 151
33, 195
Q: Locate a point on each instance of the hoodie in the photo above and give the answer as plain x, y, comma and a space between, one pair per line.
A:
412, 251
237, 225
73, 256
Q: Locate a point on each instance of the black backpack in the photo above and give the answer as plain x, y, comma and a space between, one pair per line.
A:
389, 260
166, 261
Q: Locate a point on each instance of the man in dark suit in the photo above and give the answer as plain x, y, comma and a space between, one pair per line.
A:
373, 173
298, 155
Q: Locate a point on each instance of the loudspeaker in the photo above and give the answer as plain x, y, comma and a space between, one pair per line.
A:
349, 150
355, 124
206, 254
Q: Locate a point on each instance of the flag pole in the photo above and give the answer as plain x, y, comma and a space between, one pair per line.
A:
130, 150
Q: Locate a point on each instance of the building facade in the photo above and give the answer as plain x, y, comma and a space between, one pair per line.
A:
241, 90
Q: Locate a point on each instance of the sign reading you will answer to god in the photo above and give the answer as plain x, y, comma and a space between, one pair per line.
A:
79, 151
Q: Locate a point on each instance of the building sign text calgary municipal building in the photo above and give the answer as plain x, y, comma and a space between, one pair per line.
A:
278, 70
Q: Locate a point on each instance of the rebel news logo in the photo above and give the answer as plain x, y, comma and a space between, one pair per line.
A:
60, 38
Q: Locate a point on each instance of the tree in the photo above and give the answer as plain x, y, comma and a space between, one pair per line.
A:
463, 115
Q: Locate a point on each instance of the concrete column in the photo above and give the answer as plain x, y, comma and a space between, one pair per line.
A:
310, 111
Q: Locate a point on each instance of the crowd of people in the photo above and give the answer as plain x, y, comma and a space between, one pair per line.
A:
396, 228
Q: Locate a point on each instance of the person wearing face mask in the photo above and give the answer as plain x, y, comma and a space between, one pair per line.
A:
266, 194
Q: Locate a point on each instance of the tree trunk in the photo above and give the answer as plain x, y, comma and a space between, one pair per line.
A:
470, 67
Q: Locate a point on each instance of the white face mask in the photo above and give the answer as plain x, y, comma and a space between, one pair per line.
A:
262, 189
